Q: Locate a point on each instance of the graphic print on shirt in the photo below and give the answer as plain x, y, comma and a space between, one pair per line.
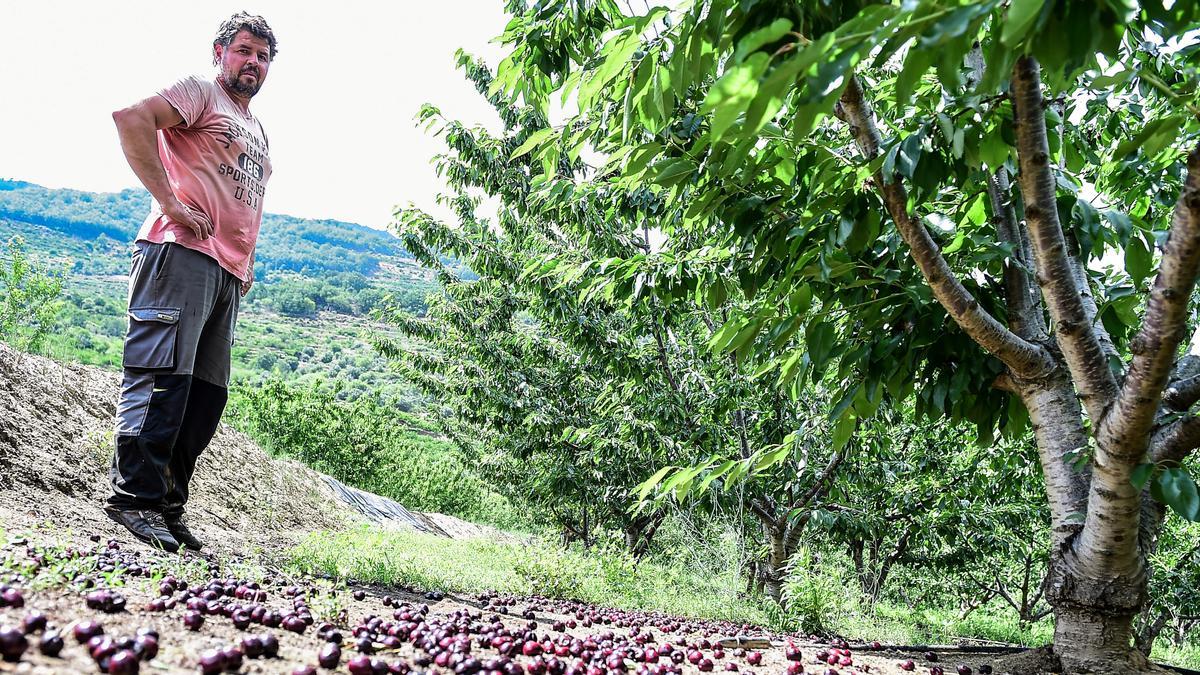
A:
247, 176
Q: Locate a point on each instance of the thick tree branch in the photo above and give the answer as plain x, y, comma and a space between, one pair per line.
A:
818, 489
761, 510
1058, 427
1026, 358
823, 482
1110, 537
1173, 443
1055, 274
1084, 283
1164, 326
1188, 364
1024, 304
1181, 395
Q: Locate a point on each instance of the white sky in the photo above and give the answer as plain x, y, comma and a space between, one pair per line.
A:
338, 103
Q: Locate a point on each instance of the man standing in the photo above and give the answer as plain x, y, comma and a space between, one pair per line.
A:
203, 157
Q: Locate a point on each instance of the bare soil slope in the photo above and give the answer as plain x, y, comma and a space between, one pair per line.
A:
56, 445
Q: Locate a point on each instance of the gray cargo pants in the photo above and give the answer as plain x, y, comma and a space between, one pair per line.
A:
182, 310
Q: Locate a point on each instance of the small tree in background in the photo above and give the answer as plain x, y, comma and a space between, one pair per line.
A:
31, 298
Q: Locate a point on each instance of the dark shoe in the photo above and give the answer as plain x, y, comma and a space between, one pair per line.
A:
178, 529
147, 526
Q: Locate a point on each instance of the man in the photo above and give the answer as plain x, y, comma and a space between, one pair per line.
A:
203, 157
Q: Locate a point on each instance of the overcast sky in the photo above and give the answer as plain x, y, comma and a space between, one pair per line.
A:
338, 103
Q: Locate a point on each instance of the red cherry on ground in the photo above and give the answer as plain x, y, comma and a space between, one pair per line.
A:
124, 662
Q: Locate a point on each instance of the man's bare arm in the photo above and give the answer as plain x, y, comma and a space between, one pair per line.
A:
136, 126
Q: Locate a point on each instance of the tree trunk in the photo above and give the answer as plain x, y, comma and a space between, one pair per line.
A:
776, 568
640, 531
1151, 631
1093, 610
1087, 641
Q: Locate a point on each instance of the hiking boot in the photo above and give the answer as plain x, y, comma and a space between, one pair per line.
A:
179, 529
147, 526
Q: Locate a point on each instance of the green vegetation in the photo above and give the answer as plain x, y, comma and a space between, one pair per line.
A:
30, 303
811, 250
608, 578
370, 446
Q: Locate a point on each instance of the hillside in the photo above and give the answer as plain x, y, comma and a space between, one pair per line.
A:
56, 446
306, 318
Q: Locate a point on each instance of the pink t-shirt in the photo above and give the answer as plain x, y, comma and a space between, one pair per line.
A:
216, 162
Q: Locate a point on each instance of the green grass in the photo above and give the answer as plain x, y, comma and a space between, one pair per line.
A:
1187, 656
471, 566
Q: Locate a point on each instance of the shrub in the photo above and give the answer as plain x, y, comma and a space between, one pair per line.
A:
31, 298
368, 445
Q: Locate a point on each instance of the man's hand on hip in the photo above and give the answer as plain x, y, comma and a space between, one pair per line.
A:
194, 219
246, 286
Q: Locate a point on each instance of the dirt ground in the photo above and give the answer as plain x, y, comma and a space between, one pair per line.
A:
55, 449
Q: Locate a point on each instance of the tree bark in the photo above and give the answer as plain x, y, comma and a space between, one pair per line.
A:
1073, 330
776, 568
1058, 429
1024, 305
1096, 642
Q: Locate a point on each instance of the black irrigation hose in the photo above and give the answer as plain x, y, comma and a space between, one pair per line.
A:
985, 649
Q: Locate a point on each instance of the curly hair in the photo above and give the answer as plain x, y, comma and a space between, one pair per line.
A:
254, 24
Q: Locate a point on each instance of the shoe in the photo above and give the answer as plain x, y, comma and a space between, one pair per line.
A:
147, 526
179, 529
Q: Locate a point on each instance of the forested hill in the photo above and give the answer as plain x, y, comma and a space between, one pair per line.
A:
307, 317
286, 243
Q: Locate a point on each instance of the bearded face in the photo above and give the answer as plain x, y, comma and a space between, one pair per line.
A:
243, 63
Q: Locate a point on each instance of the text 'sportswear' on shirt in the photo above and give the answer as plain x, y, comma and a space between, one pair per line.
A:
217, 162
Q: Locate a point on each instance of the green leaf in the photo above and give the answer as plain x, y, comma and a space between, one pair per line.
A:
616, 53
770, 459
640, 157
649, 484
910, 154
1178, 490
819, 337
532, 142
731, 94
715, 474
763, 36
744, 336
772, 91
994, 151
673, 170
955, 245
627, 112
1141, 475
1138, 260
843, 431
1018, 21
917, 63
725, 333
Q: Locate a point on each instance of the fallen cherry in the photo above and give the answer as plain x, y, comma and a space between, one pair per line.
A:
51, 643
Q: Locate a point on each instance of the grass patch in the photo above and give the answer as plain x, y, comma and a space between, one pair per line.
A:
471, 566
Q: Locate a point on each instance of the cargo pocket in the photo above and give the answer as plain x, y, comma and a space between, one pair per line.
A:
150, 344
